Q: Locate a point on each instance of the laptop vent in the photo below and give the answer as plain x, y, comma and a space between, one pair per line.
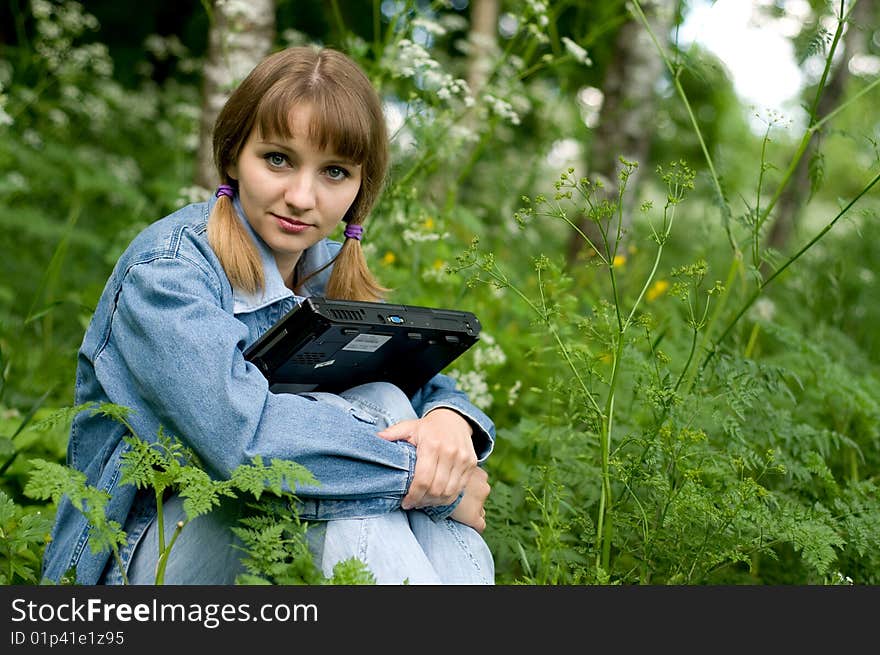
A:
309, 359
348, 314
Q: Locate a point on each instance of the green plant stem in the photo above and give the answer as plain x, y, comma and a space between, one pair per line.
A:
27, 419
756, 230
735, 268
754, 296
753, 339
676, 72
377, 28
611, 254
119, 564
604, 525
853, 461
814, 123
687, 364
338, 20
160, 518
165, 552
559, 343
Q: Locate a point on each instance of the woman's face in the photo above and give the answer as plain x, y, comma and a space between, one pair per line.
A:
293, 193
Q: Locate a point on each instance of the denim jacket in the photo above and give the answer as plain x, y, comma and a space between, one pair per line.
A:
167, 340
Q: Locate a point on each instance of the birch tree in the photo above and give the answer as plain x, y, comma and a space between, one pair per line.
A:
241, 34
625, 123
806, 176
483, 42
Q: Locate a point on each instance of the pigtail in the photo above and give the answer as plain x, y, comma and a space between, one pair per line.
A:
351, 278
234, 247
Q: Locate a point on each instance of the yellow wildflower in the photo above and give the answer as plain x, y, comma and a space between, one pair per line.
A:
388, 258
657, 289
438, 264
619, 260
429, 223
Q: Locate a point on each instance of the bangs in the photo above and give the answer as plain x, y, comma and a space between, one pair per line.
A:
340, 122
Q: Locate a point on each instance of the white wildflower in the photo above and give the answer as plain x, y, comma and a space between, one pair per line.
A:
126, 170
764, 309
71, 92
155, 45
416, 236
513, 393
435, 274
370, 250
488, 352
32, 138
842, 579
501, 108
475, 386
537, 7
15, 181
237, 8
41, 8
292, 37
453, 23
97, 109
538, 33
58, 117
190, 142
5, 119
429, 26
577, 51
463, 134
190, 194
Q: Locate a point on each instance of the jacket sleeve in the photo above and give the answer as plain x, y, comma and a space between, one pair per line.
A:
175, 356
441, 391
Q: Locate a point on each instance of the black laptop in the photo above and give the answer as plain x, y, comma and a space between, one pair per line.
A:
331, 345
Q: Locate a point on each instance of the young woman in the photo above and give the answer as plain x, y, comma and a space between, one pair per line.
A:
300, 146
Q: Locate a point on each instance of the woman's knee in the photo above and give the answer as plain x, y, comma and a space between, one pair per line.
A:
205, 552
383, 399
384, 544
459, 553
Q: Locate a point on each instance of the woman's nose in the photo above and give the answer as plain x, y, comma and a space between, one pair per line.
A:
300, 191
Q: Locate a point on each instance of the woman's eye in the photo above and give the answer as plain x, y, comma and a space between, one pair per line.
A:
337, 173
275, 159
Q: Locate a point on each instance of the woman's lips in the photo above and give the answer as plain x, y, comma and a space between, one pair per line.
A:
290, 225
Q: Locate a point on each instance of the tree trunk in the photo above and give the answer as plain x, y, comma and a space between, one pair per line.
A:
625, 120
483, 42
241, 34
795, 196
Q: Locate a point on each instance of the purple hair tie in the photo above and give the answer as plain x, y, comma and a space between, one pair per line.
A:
225, 190
353, 231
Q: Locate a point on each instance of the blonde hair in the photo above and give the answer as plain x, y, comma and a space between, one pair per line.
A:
346, 117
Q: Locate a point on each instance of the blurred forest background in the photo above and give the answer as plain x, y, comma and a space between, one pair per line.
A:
678, 289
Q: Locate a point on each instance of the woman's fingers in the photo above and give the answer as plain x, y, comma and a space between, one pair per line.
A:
471, 510
445, 456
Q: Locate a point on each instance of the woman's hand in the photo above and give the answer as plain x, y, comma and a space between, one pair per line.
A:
471, 510
445, 457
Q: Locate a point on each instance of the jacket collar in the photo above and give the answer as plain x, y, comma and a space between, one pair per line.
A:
274, 288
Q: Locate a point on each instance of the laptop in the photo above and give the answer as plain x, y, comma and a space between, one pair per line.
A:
331, 345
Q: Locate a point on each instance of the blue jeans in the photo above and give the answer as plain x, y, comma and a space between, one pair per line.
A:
398, 547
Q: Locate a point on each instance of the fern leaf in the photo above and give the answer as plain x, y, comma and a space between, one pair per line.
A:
65, 415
